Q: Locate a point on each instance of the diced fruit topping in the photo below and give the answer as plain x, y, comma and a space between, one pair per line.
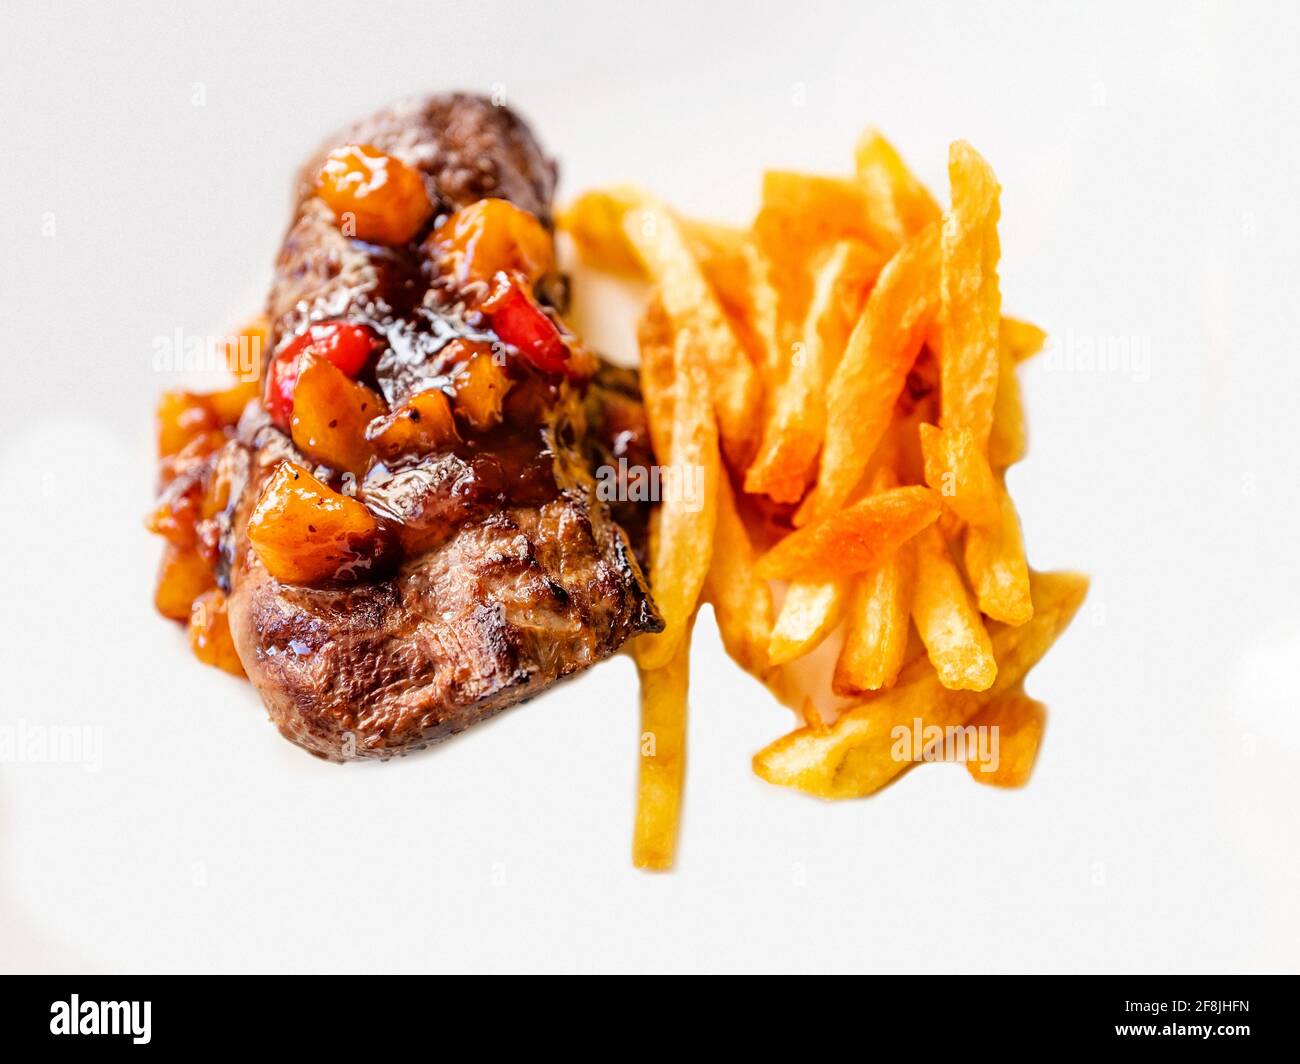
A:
186, 416
521, 322
375, 197
182, 416
423, 426
210, 637
345, 344
244, 350
488, 236
480, 389
182, 577
330, 415
306, 533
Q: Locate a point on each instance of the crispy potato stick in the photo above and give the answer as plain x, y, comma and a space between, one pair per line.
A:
796, 423
902, 204
663, 759
1021, 338
812, 716
971, 314
858, 754
995, 563
802, 211
742, 602
866, 384
801, 214
854, 539
1020, 722
694, 311
946, 618
655, 339
595, 222
1009, 438
880, 613
762, 314
808, 614
958, 469
685, 520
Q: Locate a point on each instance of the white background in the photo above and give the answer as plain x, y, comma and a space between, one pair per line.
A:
1148, 157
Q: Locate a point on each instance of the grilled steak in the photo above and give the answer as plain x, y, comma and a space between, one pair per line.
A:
512, 573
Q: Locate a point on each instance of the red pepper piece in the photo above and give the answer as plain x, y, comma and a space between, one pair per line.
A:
345, 344
518, 319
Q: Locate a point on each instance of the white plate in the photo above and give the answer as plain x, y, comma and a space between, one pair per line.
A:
1148, 160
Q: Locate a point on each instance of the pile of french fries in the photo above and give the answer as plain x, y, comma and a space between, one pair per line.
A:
842, 375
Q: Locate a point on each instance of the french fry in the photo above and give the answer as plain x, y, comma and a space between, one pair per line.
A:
796, 423
1020, 722
595, 222
871, 374
683, 546
902, 204
854, 539
958, 469
971, 314
856, 755
800, 215
658, 385
801, 212
662, 771
742, 602
1009, 438
875, 641
949, 624
1021, 338
808, 614
995, 563
694, 310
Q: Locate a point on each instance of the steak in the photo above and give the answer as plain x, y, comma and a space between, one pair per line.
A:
514, 573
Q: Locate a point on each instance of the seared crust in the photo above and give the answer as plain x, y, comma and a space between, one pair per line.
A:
518, 593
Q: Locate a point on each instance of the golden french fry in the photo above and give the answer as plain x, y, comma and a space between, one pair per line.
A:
694, 310
902, 204
958, 469
802, 211
662, 772
800, 215
796, 423
1009, 438
595, 222
742, 602
949, 624
880, 613
857, 755
853, 539
1020, 722
1021, 338
658, 385
808, 614
972, 302
995, 563
683, 545
871, 374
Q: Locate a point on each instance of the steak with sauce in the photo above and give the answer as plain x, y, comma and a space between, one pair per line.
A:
509, 573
